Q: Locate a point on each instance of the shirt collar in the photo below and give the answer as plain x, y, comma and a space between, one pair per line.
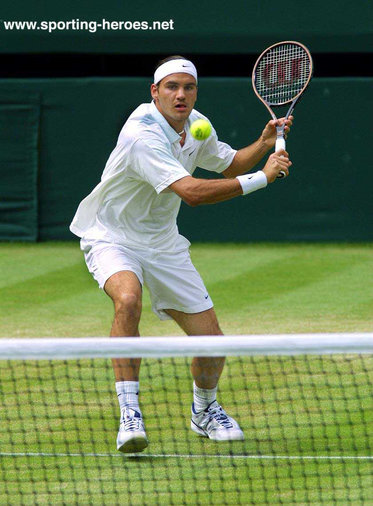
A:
171, 135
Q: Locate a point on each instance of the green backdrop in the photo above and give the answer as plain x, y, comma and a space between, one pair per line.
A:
199, 26
56, 136
19, 131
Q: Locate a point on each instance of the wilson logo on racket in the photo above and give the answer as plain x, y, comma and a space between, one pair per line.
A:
285, 72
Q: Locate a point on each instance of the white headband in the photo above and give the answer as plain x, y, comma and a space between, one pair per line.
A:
174, 67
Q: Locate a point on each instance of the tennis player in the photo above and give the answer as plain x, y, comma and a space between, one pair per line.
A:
130, 238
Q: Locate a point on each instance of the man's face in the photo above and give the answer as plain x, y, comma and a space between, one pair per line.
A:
175, 97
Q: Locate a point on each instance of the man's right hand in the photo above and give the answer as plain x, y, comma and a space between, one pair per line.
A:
276, 163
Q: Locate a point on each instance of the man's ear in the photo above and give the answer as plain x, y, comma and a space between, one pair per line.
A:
154, 91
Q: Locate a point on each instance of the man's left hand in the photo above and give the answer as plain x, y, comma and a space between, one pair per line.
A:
269, 133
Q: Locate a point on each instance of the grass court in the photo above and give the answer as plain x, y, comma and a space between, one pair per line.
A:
306, 421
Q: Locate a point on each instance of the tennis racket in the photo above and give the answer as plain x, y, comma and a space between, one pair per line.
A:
281, 75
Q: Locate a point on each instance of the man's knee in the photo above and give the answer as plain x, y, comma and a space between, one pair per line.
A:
127, 305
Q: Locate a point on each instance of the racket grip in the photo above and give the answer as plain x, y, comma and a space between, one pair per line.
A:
280, 144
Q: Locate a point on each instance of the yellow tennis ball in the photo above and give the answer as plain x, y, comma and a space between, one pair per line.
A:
200, 129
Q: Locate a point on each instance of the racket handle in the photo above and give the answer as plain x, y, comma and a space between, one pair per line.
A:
280, 144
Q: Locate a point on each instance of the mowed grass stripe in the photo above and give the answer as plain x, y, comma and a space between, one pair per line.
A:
260, 288
21, 262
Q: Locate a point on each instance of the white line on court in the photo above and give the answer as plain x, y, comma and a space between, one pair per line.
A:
185, 456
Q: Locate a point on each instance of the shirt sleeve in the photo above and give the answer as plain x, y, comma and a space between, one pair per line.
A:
215, 155
154, 163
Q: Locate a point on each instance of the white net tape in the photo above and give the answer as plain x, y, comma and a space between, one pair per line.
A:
156, 347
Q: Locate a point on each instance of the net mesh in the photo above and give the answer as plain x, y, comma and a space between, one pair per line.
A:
307, 419
282, 72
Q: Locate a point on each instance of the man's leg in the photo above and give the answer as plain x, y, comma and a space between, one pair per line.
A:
206, 371
125, 290
208, 417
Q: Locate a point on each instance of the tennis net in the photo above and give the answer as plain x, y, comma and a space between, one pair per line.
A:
304, 403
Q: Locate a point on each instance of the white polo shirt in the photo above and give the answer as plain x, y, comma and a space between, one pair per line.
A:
131, 205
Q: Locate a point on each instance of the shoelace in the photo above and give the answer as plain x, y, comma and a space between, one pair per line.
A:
132, 422
219, 414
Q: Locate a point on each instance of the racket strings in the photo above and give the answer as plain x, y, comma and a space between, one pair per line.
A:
282, 73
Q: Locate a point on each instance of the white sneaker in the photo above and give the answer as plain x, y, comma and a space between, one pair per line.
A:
213, 422
131, 436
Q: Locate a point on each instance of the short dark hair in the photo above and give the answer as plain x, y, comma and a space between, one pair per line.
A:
169, 58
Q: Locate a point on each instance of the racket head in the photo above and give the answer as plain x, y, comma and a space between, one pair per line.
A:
282, 73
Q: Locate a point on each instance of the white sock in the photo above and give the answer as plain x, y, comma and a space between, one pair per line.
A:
202, 397
128, 394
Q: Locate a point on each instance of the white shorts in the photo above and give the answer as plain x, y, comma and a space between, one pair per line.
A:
171, 278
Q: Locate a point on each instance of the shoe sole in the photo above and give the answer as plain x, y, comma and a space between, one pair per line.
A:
134, 445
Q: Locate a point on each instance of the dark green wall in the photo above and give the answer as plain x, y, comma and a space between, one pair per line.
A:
199, 26
65, 129
19, 126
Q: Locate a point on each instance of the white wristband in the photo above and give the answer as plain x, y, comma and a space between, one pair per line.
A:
252, 182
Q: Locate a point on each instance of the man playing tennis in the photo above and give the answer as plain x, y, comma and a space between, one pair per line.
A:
130, 238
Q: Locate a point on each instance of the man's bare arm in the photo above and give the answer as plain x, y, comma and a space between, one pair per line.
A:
195, 191
246, 158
